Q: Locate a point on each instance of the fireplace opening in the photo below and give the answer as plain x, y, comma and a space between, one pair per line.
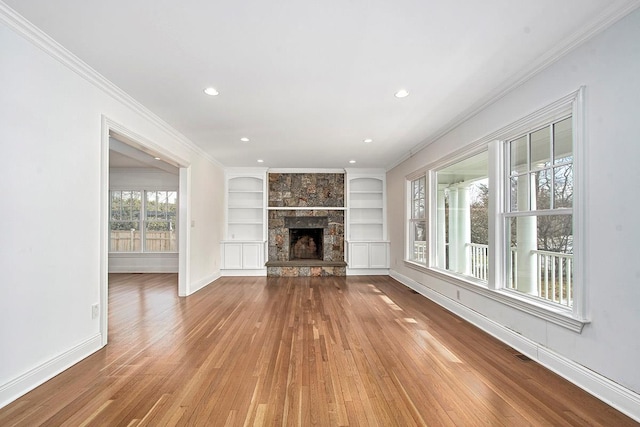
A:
305, 243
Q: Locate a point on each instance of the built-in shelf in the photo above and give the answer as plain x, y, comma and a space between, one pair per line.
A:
243, 248
367, 248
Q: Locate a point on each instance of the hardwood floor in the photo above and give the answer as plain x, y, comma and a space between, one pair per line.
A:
298, 351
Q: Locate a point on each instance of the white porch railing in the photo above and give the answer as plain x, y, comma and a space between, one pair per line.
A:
420, 251
555, 275
479, 260
554, 278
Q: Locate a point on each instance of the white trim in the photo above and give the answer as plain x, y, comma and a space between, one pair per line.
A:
31, 379
305, 208
580, 212
184, 236
205, 281
259, 272
367, 271
615, 395
58, 52
546, 311
304, 170
584, 33
105, 237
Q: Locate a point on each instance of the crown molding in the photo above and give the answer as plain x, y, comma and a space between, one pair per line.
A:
606, 19
38, 38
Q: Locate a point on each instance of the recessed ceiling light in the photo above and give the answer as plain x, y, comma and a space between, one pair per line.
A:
352, 161
367, 141
157, 158
244, 139
211, 91
260, 161
402, 93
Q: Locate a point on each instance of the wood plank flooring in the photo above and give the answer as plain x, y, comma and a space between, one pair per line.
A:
336, 351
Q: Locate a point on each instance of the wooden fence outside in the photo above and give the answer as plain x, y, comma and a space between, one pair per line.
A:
156, 241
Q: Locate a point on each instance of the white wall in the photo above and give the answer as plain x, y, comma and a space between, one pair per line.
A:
142, 179
50, 136
609, 66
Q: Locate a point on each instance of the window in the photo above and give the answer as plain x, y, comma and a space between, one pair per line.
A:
462, 217
539, 212
501, 217
417, 221
126, 208
143, 227
160, 223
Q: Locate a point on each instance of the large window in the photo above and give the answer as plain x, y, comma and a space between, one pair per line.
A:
500, 218
143, 224
462, 217
417, 221
539, 214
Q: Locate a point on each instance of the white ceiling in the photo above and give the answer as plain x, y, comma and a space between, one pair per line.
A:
308, 81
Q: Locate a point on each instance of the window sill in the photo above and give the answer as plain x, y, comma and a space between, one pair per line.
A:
556, 315
142, 254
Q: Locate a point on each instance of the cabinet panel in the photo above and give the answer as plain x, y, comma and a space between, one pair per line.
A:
359, 255
378, 255
252, 255
232, 255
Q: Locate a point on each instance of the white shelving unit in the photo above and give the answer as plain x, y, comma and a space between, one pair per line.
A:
367, 245
244, 246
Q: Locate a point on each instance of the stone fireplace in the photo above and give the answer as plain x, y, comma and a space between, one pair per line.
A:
304, 239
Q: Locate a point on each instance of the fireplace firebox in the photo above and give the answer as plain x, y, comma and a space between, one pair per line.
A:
305, 243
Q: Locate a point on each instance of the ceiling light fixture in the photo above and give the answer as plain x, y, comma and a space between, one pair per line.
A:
352, 161
211, 91
244, 139
260, 161
402, 93
367, 141
157, 158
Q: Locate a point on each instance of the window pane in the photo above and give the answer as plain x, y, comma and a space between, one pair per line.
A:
418, 198
462, 218
125, 236
520, 192
563, 141
563, 187
160, 235
540, 149
419, 242
541, 257
518, 155
542, 180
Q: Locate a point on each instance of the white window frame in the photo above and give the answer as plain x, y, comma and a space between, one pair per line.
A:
412, 221
142, 221
572, 318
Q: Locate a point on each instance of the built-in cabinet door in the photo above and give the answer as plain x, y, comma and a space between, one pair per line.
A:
359, 255
252, 255
233, 255
378, 255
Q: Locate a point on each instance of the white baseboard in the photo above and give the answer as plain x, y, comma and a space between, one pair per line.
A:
252, 273
196, 286
367, 271
44, 372
610, 392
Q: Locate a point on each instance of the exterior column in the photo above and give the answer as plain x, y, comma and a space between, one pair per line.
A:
464, 230
527, 238
441, 241
453, 229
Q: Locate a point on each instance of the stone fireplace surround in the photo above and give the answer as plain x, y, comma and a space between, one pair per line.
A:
306, 201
